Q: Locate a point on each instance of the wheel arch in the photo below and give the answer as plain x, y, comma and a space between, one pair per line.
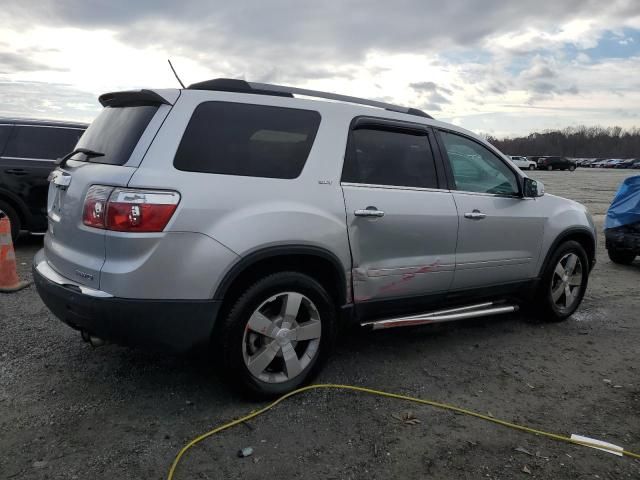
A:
582, 235
318, 263
18, 205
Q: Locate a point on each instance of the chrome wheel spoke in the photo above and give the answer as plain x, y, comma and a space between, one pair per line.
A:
568, 296
559, 271
262, 325
291, 360
261, 360
309, 330
570, 266
557, 293
291, 308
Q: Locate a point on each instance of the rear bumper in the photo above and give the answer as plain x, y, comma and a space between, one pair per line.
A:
623, 238
175, 325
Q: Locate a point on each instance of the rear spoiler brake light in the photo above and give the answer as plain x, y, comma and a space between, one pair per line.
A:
132, 98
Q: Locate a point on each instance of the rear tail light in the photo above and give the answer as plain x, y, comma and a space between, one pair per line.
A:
95, 206
129, 210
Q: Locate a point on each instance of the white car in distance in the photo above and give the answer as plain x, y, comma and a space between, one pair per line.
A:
523, 163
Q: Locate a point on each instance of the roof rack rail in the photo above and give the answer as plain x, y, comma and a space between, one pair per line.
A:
242, 86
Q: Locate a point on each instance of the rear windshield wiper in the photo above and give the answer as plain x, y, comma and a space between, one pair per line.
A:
87, 151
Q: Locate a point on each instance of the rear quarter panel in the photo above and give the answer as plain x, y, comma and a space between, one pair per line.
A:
246, 214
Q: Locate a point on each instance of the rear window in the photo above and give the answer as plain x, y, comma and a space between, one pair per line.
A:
248, 140
46, 143
115, 132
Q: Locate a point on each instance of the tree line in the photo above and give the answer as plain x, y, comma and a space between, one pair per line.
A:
579, 142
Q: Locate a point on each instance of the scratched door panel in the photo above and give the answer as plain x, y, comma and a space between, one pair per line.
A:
409, 251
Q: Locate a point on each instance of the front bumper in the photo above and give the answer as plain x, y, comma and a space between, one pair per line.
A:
176, 325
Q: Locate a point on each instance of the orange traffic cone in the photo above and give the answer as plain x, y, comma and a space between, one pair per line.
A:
9, 281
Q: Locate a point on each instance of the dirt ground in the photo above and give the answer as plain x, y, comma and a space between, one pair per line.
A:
68, 411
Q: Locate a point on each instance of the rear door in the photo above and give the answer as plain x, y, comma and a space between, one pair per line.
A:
122, 133
500, 232
27, 160
402, 222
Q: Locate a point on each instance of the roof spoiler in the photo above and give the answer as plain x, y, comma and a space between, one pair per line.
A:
132, 98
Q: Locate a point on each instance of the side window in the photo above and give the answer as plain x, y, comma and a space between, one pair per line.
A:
477, 169
41, 142
389, 157
248, 140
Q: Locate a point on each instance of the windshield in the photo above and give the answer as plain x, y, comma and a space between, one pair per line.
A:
115, 132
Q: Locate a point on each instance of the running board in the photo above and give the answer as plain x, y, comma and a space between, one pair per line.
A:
460, 313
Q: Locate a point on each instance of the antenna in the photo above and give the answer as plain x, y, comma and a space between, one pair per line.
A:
174, 72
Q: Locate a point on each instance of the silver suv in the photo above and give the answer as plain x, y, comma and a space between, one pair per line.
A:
239, 217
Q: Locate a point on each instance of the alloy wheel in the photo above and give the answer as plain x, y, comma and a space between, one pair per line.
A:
282, 337
566, 282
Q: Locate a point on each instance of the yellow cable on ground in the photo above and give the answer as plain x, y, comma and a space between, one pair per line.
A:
352, 388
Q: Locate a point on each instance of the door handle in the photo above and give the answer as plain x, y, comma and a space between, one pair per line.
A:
369, 212
475, 215
16, 171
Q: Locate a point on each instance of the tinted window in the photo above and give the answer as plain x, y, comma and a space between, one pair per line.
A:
41, 142
4, 135
389, 157
477, 169
248, 140
115, 132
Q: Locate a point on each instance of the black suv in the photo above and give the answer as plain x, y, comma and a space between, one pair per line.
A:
556, 163
28, 151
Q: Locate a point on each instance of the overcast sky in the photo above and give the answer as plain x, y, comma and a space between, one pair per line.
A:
502, 67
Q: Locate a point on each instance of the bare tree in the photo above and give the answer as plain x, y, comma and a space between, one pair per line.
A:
580, 141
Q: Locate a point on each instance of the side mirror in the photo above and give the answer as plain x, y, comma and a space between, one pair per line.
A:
533, 188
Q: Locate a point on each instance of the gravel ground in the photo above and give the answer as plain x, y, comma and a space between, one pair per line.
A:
73, 412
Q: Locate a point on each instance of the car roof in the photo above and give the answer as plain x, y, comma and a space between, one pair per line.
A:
41, 122
323, 105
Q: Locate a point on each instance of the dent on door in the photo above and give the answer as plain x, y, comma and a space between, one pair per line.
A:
407, 251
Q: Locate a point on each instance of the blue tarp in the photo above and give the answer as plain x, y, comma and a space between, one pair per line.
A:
625, 208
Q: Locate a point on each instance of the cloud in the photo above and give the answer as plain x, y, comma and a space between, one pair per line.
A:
463, 59
17, 62
46, 100
329, 30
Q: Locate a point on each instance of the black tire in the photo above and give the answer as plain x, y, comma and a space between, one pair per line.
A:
621, 257
13, 218
546, 308
549, 168
532, 167
572, 168
229, 340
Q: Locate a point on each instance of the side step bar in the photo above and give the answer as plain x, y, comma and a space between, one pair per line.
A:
460, 313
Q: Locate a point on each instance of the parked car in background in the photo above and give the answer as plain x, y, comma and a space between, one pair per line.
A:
613, 163
556, 163
628, 163
599, 163
523, 163
636, 164
177, 224
28, 151
622, 224
585, 162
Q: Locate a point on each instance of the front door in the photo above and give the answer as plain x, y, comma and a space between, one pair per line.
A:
402, 222
500, 234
